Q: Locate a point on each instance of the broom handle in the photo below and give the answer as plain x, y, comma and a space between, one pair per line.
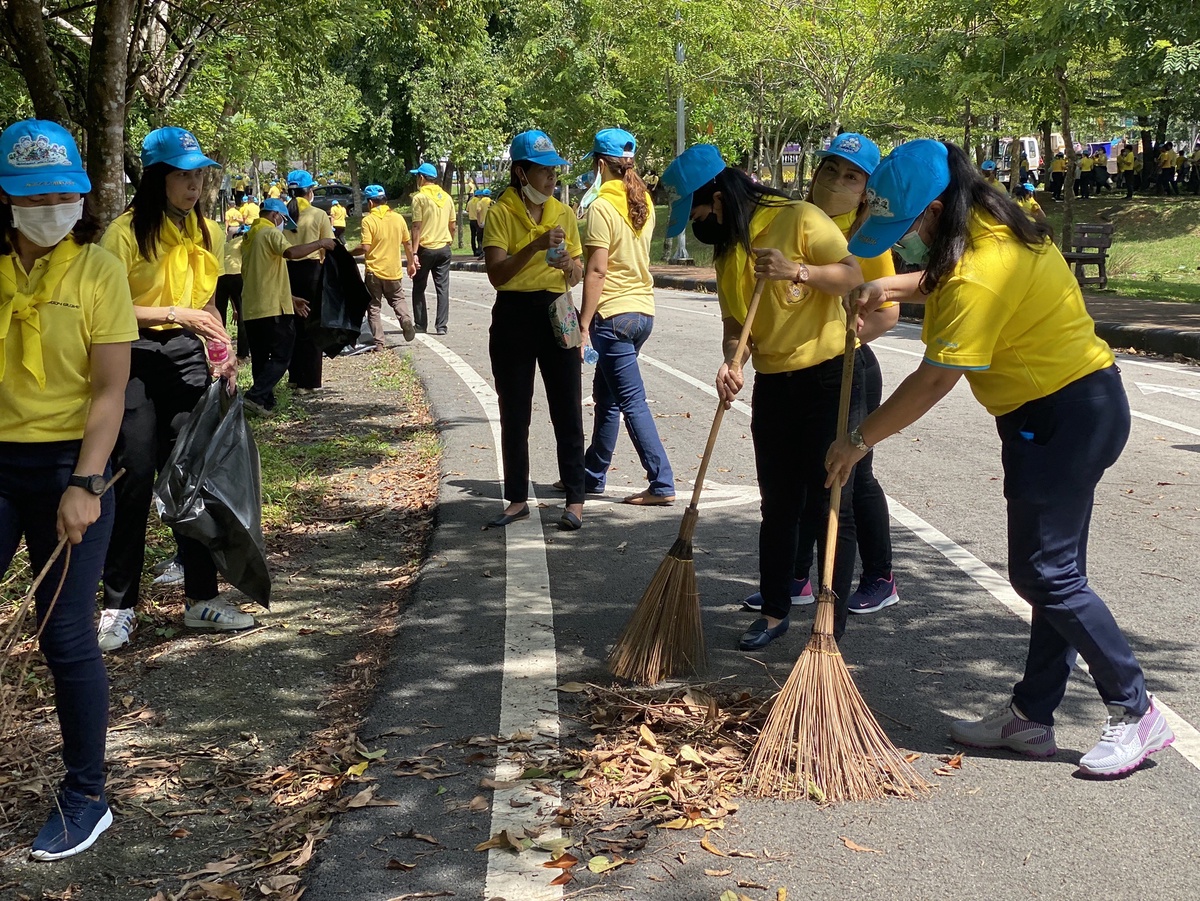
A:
743, 341
843, 421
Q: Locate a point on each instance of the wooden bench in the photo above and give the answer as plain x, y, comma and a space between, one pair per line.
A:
1090, 243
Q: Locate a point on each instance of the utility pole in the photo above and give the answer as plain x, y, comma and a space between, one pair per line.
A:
680, 255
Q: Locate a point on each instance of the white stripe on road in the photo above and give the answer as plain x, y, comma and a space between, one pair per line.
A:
1165, 422
694, 382
530, 677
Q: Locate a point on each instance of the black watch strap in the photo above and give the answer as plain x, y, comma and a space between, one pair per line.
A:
93, 484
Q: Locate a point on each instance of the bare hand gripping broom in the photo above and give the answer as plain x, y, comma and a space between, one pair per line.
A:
665, 636
820, 739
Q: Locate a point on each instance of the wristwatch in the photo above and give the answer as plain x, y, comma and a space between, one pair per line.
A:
856, 439
171, 315
801, 275
92, 484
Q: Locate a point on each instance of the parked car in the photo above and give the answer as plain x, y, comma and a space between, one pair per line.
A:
325, 195
1028, 144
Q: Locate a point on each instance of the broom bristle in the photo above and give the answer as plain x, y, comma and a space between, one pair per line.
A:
665, 636
821, 741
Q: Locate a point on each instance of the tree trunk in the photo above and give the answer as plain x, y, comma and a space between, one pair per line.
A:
967, 124
1068, 223
108, 65
36, 63
1047, 150
355, 194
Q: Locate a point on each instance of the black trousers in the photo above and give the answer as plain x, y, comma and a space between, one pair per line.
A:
437, 264
229, 294
521, 341
793, 422
872, 521
476, 238
1056, 184
167, 377
306, 365
271, 340
1166, 182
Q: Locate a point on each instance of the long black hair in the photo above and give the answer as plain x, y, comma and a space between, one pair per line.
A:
967, 193
741, 197
149, 205
86, 231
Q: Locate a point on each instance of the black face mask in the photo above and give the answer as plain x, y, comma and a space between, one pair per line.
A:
708, 230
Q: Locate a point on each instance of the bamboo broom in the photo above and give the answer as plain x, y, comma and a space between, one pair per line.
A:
820, 739
665, 636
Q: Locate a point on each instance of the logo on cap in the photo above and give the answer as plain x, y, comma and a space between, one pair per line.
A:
188, 141
851, 145
543, 143
877, 205
39, 151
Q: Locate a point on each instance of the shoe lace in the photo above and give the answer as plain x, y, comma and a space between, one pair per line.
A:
1113, 730
72, 804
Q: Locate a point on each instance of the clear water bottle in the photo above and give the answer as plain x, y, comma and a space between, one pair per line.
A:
218, 352
590, 356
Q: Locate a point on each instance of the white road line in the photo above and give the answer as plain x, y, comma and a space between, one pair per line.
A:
1185, 393
1187, 738
1165, 422
530, 673
694, 382
1181, 369
896, 350
709, 313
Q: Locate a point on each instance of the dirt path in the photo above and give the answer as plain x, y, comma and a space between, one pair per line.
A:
228, 754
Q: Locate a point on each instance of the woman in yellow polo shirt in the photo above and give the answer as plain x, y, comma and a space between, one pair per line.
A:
65, 328
532, 253
167, 251
1003, 309
618, 316
798, 341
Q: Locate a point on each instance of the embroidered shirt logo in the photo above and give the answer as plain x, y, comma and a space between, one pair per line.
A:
38, 151
878, 205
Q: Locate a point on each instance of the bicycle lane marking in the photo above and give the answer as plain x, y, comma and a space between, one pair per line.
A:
528, 700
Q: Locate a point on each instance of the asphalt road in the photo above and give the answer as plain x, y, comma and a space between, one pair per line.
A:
500, 618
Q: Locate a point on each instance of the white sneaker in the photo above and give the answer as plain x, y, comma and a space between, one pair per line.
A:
1126, 741
218, 614
171, 574
1006, 728
115, 628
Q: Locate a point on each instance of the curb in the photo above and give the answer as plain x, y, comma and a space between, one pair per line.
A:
1158, 340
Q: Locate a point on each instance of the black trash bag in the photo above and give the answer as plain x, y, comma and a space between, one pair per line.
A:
211, 490
336, 320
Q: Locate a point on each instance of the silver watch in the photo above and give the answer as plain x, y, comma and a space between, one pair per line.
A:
856, 439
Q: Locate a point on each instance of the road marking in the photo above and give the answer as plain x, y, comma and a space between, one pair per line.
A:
708, 313
694, 382
897, 350
1187, 393
1177, 370
1187, 738
1165, 422
530, 670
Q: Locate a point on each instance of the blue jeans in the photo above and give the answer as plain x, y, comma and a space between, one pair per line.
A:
33, 478
1054, 451
617, 389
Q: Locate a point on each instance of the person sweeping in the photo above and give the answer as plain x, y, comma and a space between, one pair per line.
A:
1003, 309
798, 340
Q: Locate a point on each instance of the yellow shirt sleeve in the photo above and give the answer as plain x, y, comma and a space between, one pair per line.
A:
368, 228
419, 204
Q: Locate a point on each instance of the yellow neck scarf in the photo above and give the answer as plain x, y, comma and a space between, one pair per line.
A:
187, 263
24, 307
381, 210
613, 191
436, 193
732, 267
255, 227
302, 204
551, 216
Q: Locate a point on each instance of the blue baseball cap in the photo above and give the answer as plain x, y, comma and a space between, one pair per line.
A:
909, 179
988, 165
426, 169
613, 142
40, 157
334, 203
275, 205
691, 170
1028, 187
374, 192
535, 147
176, 147
486, 192
299, 178
855, 148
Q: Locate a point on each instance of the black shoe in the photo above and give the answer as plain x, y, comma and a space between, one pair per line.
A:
443, 331
759, 635
505, 519
569, 522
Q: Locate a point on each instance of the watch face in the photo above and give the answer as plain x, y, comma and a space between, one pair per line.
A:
96, 485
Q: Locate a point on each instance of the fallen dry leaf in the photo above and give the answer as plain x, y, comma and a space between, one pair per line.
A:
562, 878
221, 891
394, 864
564, 862
601, 864
950, 764
571, 688
419, 836
855, 846
413, 896
478, 803
745, 883
717, 872
710, 847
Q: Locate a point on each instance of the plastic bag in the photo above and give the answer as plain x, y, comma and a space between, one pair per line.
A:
211, 490
335, 322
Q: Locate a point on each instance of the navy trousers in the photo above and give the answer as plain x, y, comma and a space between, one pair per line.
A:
33, 478
1054, 451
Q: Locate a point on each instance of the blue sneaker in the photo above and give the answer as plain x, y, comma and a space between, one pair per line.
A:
802, 594
74, 825
759, 635
873, 595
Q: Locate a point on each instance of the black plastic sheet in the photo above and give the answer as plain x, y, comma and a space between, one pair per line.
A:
211, 490
337, 319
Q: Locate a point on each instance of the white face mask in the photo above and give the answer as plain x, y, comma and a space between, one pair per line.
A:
46, 226
593, 192
534, 196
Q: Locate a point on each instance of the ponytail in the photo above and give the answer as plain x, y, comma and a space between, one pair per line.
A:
635, 189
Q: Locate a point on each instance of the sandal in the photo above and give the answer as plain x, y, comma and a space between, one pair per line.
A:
646, 499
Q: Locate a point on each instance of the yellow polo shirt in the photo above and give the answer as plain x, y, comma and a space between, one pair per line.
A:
509, 227
233, 217
274, 193
90, 305
472, 209
216, 233
628, 286
481, 211
434, 209
233, 254
337, 215
250, 212
1125, 162
386, 232
1058, 165
312, 225
1012, 317
788, 333
266, 290
1086, 163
